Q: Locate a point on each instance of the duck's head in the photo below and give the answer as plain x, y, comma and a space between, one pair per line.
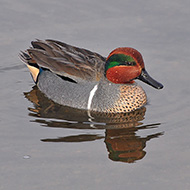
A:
123, 65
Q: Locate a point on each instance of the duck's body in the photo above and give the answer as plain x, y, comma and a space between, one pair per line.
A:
82, 79
101, 96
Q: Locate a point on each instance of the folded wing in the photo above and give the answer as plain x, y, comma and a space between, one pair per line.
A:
67, 60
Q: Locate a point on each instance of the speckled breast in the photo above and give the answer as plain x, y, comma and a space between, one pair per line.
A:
130, 99
118, 98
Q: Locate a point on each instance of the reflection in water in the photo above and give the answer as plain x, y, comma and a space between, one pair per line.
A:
76, 138
121, 139
123, 144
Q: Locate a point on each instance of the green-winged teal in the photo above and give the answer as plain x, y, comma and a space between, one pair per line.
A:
82, 79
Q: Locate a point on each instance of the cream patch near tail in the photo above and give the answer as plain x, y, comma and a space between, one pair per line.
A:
31, 64
34, 72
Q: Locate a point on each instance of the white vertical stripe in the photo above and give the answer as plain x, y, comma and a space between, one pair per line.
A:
91, 95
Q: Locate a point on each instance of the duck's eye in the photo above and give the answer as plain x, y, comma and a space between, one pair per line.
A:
132, 63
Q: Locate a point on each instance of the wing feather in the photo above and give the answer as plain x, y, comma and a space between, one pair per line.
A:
67, 60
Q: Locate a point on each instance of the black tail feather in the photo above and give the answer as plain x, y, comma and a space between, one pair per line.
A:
26, 58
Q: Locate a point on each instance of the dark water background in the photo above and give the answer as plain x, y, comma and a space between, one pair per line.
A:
46, 146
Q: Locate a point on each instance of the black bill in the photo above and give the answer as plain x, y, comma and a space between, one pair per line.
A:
145, 77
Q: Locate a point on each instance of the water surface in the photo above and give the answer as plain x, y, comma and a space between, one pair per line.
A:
46, 146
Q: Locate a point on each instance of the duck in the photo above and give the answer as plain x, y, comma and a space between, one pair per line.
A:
85, 80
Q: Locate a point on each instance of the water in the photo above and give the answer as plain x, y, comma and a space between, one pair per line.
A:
46, 146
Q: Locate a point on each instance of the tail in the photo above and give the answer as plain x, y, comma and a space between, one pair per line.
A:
31, 64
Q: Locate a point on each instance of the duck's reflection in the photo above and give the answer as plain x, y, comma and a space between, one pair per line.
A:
124, 145
121, 139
